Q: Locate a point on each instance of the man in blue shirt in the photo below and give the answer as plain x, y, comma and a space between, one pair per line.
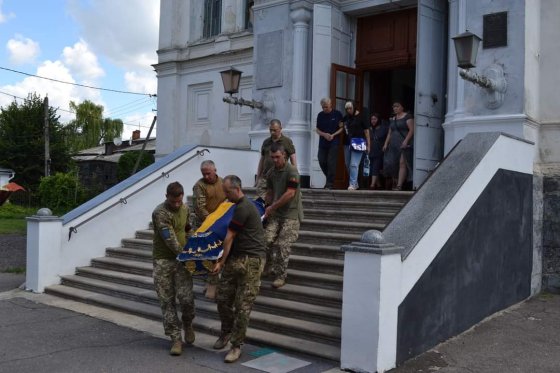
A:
328, 128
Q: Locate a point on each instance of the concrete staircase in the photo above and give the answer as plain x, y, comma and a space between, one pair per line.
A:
304, 315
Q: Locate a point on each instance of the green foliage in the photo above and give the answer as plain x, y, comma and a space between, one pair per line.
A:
22, 145
61, 192
16, 270
90, 129
128, 160
12, 218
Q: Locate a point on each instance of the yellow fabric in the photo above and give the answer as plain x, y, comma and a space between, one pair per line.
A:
213, 217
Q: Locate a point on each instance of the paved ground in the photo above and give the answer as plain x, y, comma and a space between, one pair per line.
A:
49, 334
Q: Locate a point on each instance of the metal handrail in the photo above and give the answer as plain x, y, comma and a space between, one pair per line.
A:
124, 200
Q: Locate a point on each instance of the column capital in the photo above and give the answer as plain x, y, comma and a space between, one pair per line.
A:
300, 14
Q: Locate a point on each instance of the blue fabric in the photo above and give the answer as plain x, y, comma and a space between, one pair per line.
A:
203, 248
355, 159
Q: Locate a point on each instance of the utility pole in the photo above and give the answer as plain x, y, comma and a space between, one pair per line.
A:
144, 146
47, 152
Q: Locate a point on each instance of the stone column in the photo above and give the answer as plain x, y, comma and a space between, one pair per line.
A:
43, 250
370, 300
298, 124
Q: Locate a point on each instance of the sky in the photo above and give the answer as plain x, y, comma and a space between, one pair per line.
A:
108, 44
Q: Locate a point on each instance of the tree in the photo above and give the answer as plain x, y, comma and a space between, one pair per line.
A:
128, 160
90, 129
22, 143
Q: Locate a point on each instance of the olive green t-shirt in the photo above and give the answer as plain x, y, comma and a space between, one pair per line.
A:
280, 180
286, 142
246, 222
169, 231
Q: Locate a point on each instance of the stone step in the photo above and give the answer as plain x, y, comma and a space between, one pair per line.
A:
306, 311
295, 277
319, 265
200, 323
373, 217
279, 322
353, 206
341, 226
327, 238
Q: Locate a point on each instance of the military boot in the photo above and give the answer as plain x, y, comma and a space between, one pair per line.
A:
176, 348
189, 334
233, 354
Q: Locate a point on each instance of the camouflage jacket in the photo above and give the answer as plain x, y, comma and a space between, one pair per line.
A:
170, 231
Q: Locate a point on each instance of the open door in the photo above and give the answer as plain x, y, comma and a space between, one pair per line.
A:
346, 84
430, 88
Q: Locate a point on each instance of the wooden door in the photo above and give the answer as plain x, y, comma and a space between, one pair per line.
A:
346, 85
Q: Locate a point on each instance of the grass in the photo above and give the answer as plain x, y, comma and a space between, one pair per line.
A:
17, 270
12, 218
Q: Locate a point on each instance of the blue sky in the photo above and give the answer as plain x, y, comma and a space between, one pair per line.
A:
102, 43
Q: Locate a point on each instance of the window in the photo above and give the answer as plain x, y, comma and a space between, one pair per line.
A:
249, 15
212, 17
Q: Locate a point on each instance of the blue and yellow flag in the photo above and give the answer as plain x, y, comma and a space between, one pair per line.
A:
205, 245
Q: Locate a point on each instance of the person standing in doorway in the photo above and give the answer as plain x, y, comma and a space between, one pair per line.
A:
378, 135
357, 131
328, 128
171, 279
265, 163
241, 265
208, 193
398, 146
284, 213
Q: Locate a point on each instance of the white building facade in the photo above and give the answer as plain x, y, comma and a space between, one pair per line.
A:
293, 53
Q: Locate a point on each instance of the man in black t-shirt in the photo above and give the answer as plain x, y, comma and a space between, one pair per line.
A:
328, 128
242, 263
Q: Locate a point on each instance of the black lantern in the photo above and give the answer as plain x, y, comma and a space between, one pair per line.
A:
230, 79
466, 47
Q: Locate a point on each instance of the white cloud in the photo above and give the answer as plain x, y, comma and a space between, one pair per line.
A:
22, 50
59, 94
82, 62
141, 82
5, 17
126, 32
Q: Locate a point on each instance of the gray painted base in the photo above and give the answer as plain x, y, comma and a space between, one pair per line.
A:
551, 234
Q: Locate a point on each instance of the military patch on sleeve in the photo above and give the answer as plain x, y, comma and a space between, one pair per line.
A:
165, 234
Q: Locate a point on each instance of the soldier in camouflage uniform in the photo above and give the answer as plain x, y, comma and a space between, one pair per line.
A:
284, 213
171, 279
242, 263
265, 163
208, 193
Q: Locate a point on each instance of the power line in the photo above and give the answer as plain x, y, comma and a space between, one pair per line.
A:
77, 84
68, 111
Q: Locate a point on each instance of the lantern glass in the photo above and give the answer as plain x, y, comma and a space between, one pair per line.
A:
231, 79
466, 47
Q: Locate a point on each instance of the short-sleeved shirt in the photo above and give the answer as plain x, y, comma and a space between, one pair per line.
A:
285, 141
246, 222
280, 180
169, 231
355, 126
329, 123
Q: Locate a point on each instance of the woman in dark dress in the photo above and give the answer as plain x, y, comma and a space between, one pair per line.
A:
398, 146
378, 135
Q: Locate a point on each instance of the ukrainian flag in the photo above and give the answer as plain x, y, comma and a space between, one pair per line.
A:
204, 247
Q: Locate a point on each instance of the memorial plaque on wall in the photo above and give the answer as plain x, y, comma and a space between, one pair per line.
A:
494, 30
269, 61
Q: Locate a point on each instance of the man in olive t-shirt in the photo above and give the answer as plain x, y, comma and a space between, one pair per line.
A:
242, 262
265, 163
284, 213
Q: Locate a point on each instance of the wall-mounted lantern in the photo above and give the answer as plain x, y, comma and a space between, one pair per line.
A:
231, 79
493, 80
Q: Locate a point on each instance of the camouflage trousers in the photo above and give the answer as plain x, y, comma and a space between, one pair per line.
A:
237, 290
261, 187
279, 236
173, 282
